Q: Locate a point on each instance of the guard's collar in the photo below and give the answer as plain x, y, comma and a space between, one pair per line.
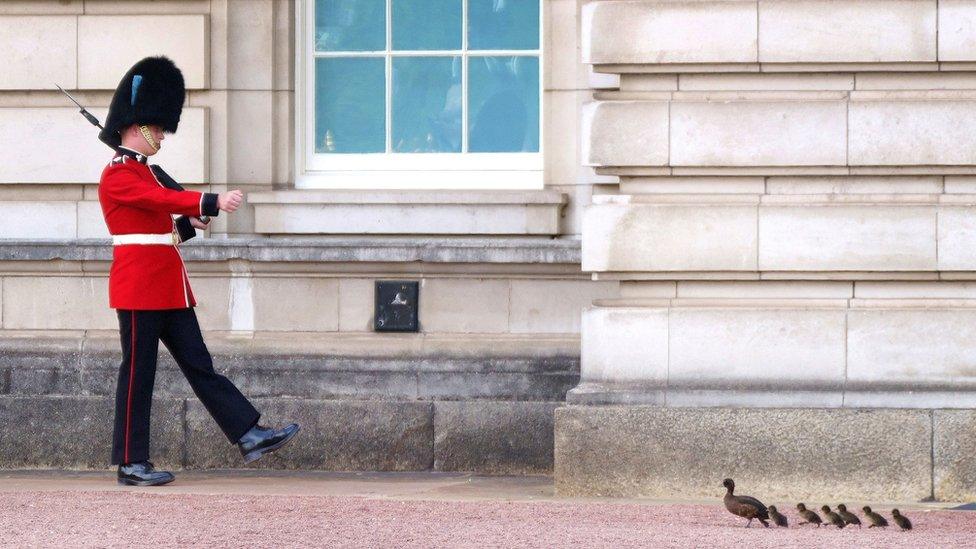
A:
138, 157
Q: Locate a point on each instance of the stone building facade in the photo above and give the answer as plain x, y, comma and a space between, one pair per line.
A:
743, 249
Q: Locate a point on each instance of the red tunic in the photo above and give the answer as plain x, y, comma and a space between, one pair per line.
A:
146, 276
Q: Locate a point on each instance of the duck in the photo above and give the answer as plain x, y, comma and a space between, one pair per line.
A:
876, 519
901, 520
809, 516
833, 517
744, 506
849, 517
778, 518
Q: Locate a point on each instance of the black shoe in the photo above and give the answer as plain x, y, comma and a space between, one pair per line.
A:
143, 473
262, 440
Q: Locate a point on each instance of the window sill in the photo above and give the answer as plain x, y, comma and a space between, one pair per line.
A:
414, 212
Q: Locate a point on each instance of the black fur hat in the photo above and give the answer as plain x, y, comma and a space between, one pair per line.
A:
151, 93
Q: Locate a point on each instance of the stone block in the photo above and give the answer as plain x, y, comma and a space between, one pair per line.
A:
671, 32
553, 306
669, 237
625, 133
24, 131
957, 30
214, 300
38, 51
57, 303
766, 82
20, 219
803, 454
91, 221
446, 305
847, 238
911, 348
562, 135
916, 81
954, 453
440, 385
756, 348
106, 49
868, 289
563, 65
504, 438
625, 344
340, 435
724, 133
42, 7
356, 304
957, 238
909, 133
296, 304
155, 7
765, 289
865, 31
250, 153
250, 51
71, 432
854, 185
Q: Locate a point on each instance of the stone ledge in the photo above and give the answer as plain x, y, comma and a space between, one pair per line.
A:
417, 368
407, 212
323, 249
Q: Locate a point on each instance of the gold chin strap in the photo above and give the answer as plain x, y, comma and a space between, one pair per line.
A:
149, 138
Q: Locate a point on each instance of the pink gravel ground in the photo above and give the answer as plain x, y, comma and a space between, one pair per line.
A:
143, 519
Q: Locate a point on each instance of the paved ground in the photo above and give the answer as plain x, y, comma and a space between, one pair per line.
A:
267, 509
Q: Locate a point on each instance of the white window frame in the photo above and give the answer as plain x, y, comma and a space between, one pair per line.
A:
504, 171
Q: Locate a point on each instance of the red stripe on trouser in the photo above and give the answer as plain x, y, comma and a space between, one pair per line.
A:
132, 376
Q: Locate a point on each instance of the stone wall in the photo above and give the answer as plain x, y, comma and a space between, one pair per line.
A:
285, 285
791, 230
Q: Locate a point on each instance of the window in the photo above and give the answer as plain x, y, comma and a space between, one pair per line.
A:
420, 94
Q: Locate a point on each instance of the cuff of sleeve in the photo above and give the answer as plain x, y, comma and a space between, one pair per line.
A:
208, 204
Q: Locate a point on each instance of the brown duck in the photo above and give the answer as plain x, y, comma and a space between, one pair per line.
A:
778, 518
809, 517
849, 517
744, 506
833, 517
875, 519
901, 520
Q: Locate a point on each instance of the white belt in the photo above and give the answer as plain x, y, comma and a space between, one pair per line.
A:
168, 239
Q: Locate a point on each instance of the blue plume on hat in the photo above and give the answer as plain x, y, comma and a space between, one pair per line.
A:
136, 81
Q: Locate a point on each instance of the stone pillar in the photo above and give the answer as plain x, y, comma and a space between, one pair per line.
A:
793, 232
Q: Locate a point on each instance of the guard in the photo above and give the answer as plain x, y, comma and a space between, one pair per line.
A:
148, 284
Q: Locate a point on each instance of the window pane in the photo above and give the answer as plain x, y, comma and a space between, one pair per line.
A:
503, 104
427, 104
503, 24
350, 105
350, 25
427, 24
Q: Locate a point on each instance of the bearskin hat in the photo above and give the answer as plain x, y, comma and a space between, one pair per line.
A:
151, 93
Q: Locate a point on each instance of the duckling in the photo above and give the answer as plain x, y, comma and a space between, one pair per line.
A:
849, 517
809, 516
744, 506
901, 520
833, 517
876, 519
778, 518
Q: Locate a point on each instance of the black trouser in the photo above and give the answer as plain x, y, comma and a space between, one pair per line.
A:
141, 332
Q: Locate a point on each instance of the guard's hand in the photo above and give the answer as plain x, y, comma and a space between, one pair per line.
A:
230, 200
197, 224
